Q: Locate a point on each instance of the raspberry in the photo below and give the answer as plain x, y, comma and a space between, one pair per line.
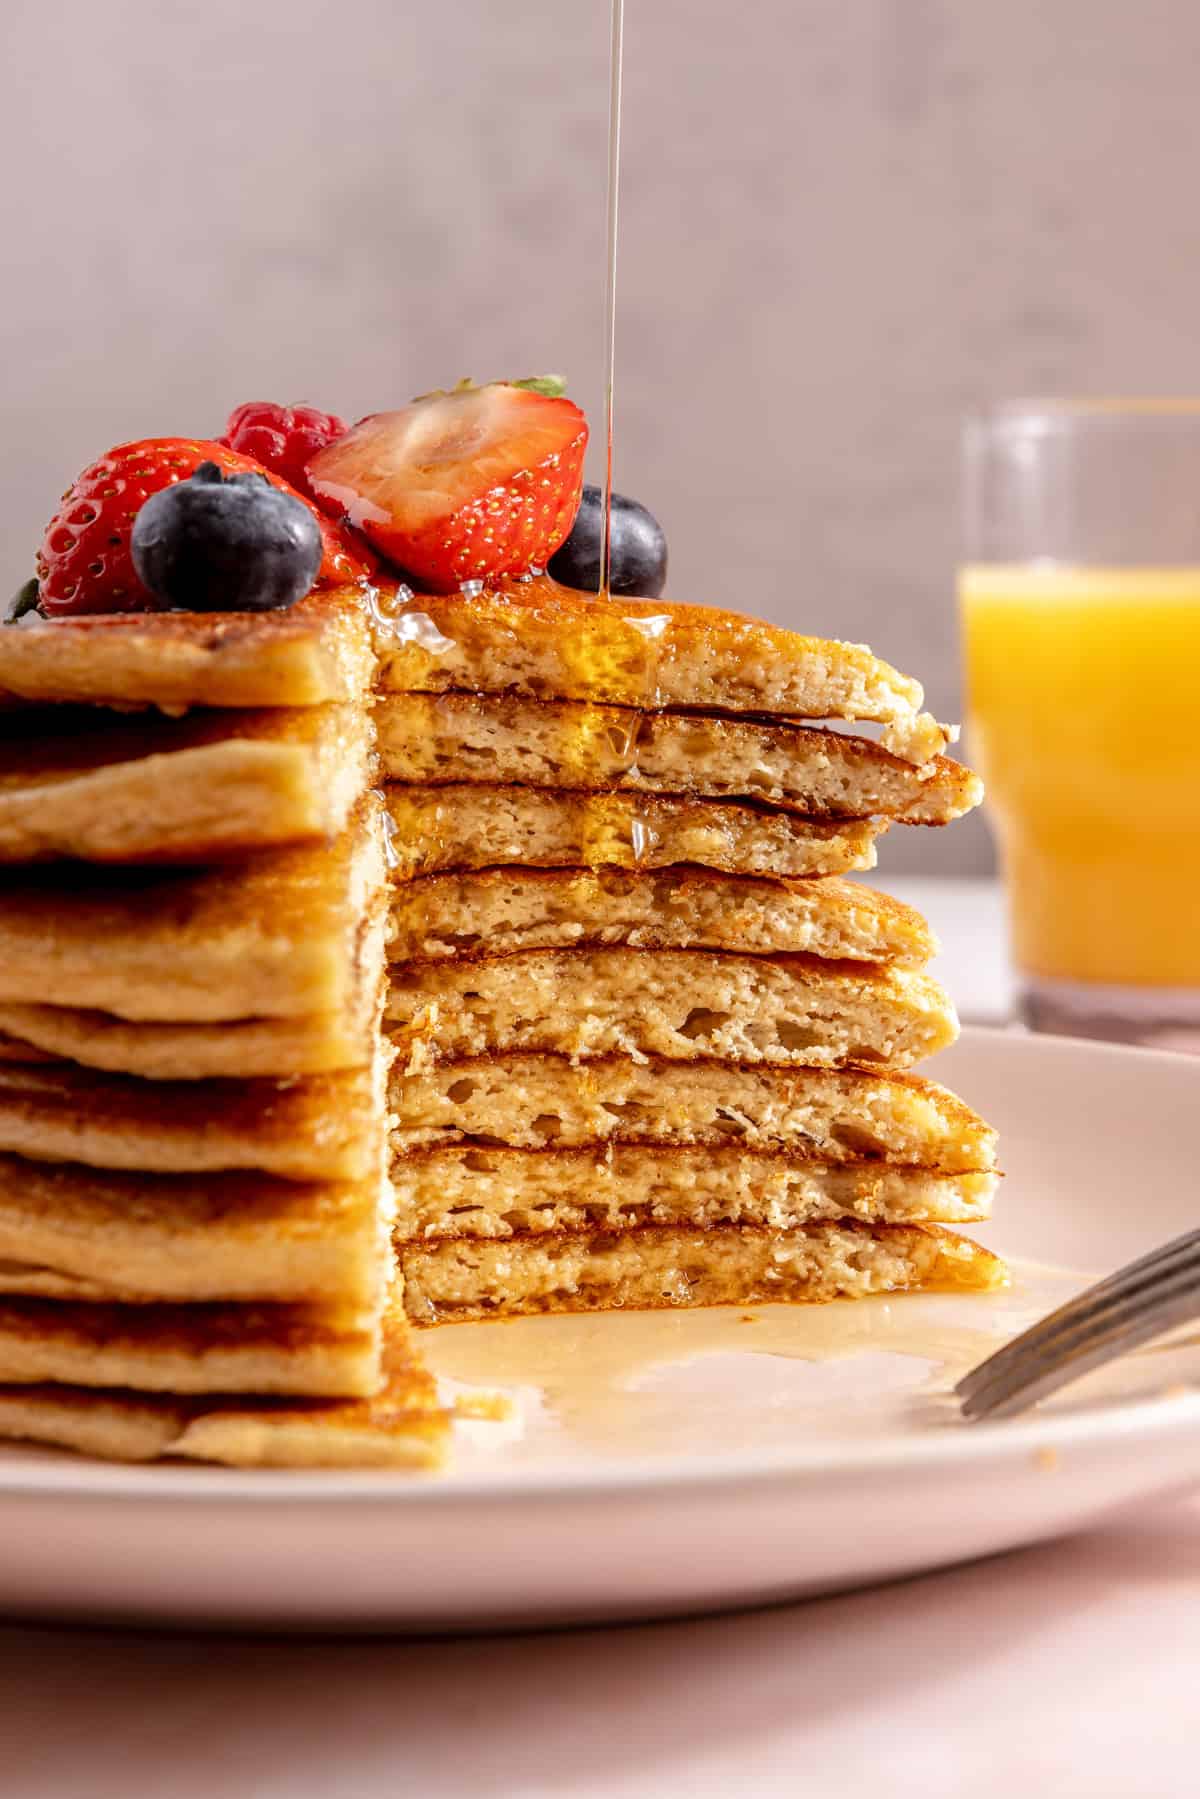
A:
283, 438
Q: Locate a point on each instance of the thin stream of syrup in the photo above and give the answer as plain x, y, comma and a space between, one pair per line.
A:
616, 51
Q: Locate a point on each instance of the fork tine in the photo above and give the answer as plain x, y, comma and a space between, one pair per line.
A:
1111, 1323
1011, 1366
1114, 1290
1040, 1378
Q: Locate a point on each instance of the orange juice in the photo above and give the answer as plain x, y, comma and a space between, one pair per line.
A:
1083, 688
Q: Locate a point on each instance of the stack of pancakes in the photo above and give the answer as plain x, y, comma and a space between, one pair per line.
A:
576, 1009
652, 1048
194, 1209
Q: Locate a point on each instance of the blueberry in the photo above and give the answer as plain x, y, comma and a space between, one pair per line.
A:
215, 545
638, 548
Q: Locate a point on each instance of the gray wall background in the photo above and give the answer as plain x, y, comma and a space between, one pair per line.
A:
845, 222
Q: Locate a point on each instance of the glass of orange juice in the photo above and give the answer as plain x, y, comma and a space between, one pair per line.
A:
1081, 615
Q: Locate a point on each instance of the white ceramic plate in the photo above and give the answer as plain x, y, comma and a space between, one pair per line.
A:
684, 1461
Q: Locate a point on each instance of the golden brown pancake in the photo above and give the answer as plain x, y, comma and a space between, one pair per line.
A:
273, 937
322, 1127
77, 1233
466, 825
544, 641
249, 1048
205, 1348
545, 1102
403, 1425
663, 1265
316, 651
455, 737
682, 1004
110, 787
501, 910
469, 1191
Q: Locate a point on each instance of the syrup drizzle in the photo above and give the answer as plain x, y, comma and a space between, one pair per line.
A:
610, 276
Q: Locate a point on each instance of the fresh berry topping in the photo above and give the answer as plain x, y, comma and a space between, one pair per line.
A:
84, 564
283, 438
637, 548
212, 544
461, 486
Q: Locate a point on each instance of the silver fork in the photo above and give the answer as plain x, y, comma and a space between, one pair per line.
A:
1131, 1307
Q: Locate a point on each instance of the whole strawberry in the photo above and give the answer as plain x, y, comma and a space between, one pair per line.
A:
283, 438
84, 564
461, 486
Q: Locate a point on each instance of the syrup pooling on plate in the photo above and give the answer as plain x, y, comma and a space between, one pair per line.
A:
643, 1383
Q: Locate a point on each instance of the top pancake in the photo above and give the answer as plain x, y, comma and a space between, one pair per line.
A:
543, 641
535, 639
316, 651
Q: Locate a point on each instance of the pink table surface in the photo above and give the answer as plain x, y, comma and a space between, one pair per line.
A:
1060, 1671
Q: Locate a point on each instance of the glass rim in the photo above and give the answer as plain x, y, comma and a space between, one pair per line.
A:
1046, 415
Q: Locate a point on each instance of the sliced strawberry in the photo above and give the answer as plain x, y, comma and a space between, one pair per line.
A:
84, 563
461, 486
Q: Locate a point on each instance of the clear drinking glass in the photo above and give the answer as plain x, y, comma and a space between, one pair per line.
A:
1081, 614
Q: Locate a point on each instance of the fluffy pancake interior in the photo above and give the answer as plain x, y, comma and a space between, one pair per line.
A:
456, 737
682, 1004
658, 1266
475, 825
541, 1101
471, 1191
501, 910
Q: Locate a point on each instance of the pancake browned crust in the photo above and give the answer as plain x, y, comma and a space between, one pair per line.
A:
205, 1348
404, 1425
108, 787
432, 738
269, 938
469, 825
322, 1128
317, 651
245, 1049
77, 1233
544, 1102
676, 1003
501, 910
663, 1265
548, 642
475, 1192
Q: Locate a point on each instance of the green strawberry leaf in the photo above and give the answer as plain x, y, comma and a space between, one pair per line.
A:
24, 600
552, 386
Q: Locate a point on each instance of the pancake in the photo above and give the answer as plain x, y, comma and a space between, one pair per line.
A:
325, 1351
314, 1129
544, 641
463, 825
502, 910
404, 1425
100, 785
664, 1265
246, 1049
455, 737
75, 1233
316, 651
272, 937
467, 1191
682, 1004
544, 1102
